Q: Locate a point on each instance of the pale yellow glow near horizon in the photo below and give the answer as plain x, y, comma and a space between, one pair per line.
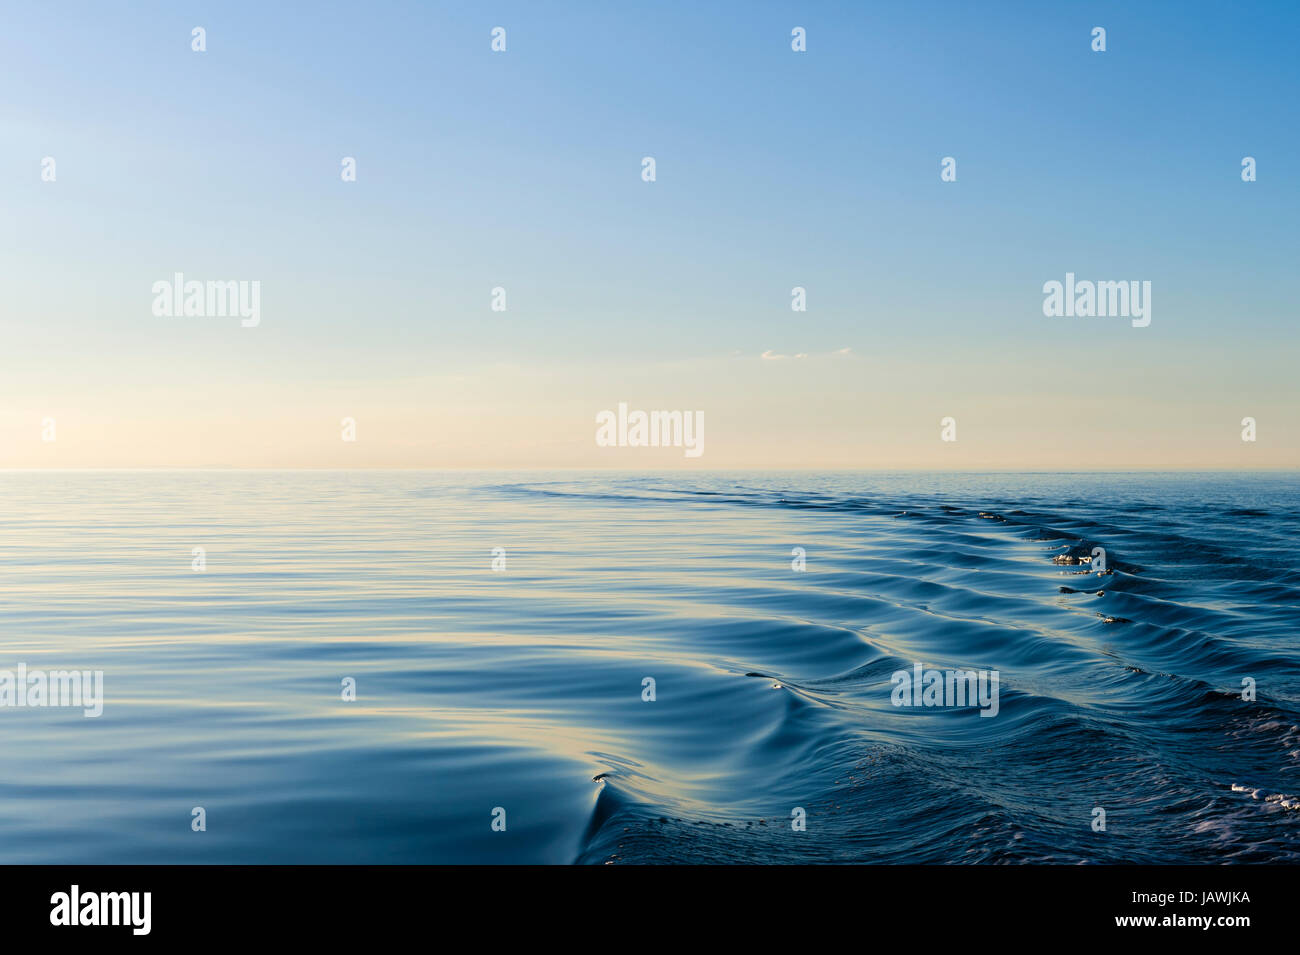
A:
823, 412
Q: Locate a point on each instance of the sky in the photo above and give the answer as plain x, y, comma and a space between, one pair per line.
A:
775, 169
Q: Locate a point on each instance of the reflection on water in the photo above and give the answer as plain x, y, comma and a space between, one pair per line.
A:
523, 688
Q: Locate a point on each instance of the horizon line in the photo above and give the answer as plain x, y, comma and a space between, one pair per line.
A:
694, 470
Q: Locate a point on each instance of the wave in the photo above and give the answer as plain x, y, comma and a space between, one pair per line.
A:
1123, 692
668, 668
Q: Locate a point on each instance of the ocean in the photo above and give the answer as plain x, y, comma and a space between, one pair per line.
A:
615, 667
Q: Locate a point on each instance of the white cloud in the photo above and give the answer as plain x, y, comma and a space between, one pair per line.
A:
770, 355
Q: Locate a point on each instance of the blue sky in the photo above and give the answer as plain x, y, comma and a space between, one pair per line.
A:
775, 169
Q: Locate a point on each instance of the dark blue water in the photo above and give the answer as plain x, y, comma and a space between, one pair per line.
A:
521, 689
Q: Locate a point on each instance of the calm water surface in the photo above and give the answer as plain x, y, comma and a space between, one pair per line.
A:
522, 689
